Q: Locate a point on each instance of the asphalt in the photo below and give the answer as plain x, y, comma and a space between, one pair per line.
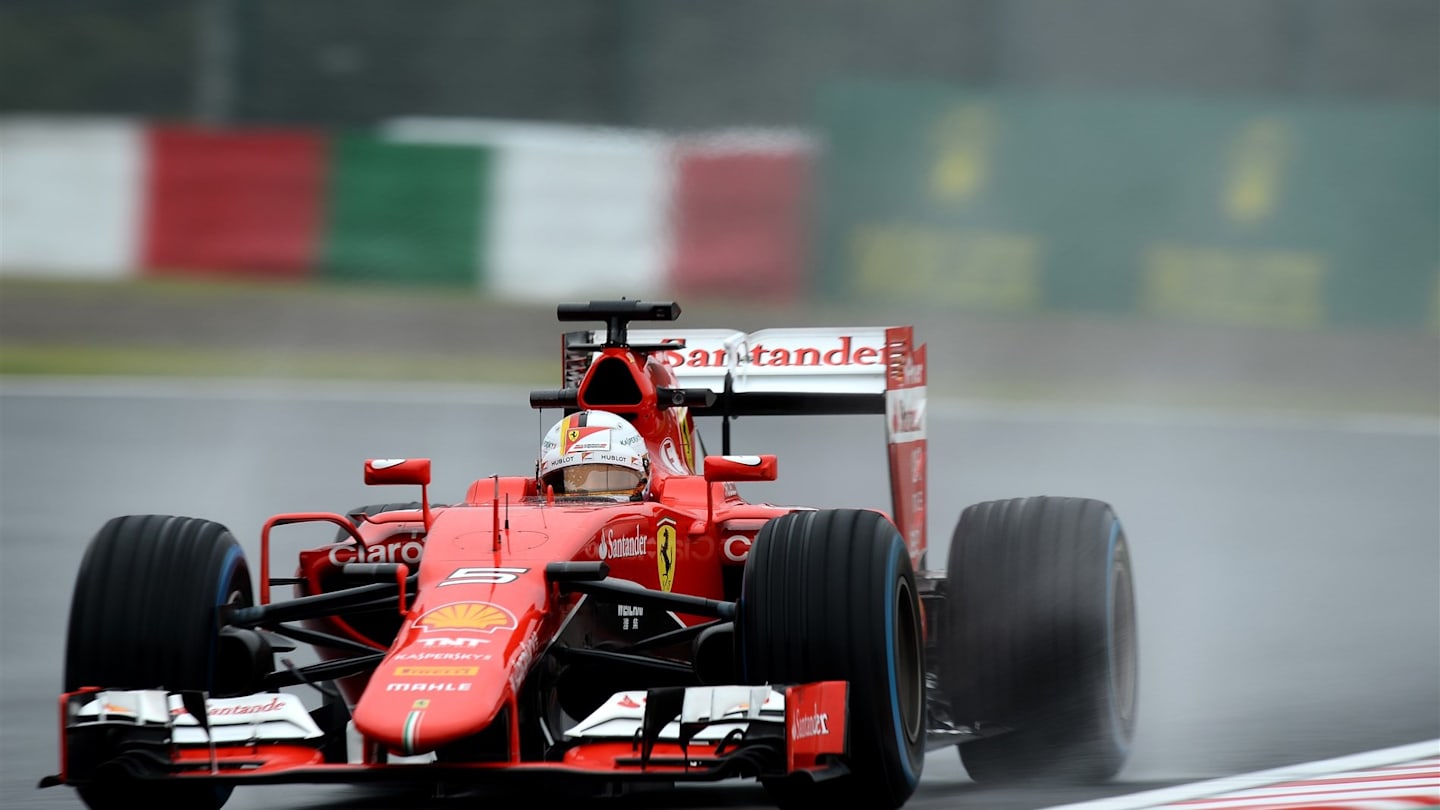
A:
318, 331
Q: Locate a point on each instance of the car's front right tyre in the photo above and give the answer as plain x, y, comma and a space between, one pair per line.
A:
145, 614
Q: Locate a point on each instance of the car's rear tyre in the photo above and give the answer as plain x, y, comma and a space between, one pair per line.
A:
1041, 640
830, 595
145, 615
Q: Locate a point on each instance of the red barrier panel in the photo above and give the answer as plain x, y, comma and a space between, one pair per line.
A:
237, 201
739, 221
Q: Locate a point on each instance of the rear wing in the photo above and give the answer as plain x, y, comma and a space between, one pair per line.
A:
799, 371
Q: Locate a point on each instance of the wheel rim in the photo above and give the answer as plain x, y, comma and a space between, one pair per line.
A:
908, 661
1124, 657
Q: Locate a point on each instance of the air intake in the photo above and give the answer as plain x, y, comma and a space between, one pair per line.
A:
611, 383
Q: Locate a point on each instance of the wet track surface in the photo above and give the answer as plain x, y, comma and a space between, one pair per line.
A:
1286, 568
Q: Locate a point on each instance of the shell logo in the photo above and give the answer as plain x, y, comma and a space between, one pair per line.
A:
467, 616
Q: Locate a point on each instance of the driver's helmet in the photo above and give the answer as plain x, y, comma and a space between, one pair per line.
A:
594, 453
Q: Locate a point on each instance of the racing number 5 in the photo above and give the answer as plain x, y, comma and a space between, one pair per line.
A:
483, 576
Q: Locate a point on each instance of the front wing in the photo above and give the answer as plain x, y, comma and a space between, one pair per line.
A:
679, 734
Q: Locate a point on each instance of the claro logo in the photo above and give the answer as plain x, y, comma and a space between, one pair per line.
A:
737, 547
408, 552
843, 352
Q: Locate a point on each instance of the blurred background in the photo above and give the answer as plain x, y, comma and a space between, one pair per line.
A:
1266, 163
1184, 203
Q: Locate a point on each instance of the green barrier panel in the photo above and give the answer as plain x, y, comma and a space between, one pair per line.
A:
1228, 211
406, 213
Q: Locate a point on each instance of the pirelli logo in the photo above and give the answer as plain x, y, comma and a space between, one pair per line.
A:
436, 672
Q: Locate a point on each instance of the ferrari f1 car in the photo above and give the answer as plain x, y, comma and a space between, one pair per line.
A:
684, 634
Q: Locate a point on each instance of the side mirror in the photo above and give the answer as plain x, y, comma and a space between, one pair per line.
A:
740, 468
397, 471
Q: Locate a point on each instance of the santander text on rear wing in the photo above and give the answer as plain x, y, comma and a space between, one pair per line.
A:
803, 371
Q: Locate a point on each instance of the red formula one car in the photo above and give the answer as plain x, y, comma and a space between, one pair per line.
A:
620, 615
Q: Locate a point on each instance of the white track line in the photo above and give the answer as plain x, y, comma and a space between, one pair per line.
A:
1164, 797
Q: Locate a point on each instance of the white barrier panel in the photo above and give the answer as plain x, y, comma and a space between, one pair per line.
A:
71, 193
573, 212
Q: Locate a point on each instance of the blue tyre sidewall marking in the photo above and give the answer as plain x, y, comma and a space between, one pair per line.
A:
896, 724
227, 570
222, 593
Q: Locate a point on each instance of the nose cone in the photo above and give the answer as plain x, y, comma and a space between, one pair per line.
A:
473, 635
420, 698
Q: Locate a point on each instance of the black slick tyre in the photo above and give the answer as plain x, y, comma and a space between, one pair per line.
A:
831, 595
145, 614
1040, 640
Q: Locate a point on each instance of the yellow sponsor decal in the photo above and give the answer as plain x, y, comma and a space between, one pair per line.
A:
442, 672
468, 616
964, 140
686, 445
1257, 159
665, 554
982, 270
1270, 288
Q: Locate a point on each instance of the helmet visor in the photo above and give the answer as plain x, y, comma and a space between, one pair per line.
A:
600, 479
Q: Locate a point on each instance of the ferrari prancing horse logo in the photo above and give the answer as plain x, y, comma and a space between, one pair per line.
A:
665, 553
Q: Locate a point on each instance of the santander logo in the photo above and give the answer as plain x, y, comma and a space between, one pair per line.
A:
263, 707
842, 352
631, 545
815, 724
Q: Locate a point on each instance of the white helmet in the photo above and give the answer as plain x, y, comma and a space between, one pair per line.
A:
593, 453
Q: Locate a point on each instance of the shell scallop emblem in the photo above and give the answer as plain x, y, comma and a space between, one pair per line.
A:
468, 616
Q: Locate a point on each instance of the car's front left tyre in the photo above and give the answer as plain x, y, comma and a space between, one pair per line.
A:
831, 595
